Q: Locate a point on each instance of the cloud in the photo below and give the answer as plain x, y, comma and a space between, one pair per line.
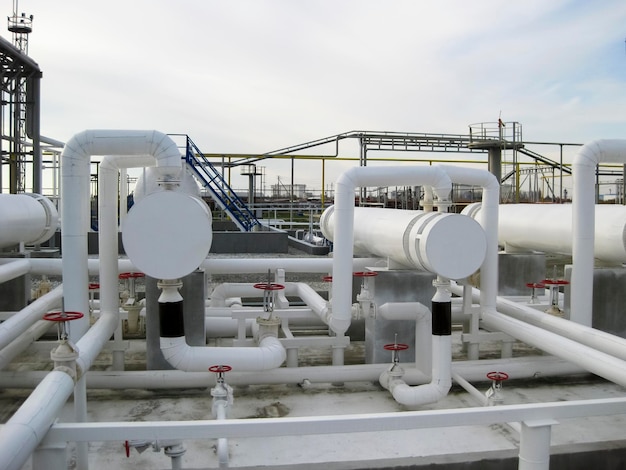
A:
258, 75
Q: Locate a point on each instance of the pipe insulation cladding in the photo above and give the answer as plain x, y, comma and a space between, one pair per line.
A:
548, 228
168, 234
26, 218
450, 245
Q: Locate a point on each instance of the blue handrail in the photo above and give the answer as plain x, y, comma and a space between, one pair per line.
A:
220, 191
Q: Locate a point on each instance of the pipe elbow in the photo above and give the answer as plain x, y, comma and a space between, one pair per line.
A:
339, 325
164, 150
273, 353
421, 394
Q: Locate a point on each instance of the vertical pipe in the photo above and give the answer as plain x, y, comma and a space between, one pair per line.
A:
534, 451
80, 414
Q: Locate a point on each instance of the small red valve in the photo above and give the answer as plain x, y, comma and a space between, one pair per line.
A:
268, 286
497, 376
396, 347
327, 279
94, 286
220, 369
365, 274
127, 448
62, 316
130, 275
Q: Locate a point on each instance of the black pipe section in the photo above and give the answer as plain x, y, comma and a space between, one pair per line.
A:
442, 318
171, 319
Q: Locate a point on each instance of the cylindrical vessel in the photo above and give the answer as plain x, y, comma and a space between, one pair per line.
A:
149, 181
548, 228
26, 218
450, 245
168, 234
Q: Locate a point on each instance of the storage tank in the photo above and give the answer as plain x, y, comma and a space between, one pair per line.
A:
26, 218
450, 245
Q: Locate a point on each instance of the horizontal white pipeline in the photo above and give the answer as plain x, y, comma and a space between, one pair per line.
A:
307, 425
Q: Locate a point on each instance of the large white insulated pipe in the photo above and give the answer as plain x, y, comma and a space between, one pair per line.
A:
14, 269
592, 360
423, 328
344, 214
450, 245
583, 207
269, 354
312, 299
441, 377
29, 315
597, 339
548, 228
75, 177
26, 218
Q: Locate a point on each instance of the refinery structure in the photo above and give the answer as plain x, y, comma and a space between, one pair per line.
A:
428, 313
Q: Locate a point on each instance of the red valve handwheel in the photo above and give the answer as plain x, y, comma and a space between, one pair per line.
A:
499, 376
130, 275
268, 286
327, 279
535, 285
218, 369
62, 316
396, 347
94, 286
555, 282
365, 274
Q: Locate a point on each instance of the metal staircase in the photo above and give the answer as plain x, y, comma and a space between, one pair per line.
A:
221, 193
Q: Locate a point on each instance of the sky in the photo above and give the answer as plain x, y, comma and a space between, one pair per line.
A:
251, 76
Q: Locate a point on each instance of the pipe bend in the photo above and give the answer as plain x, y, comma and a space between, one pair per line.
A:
420, 394
270, 354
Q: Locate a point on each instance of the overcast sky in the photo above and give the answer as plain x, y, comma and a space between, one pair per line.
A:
254, 76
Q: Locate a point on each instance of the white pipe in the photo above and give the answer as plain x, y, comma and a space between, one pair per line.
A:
108, 191
75, 172
597, 339
583, 205
548, 228
423, 328
53, 266
269, 354
343, 231
489, 222
14, 269
439, 385
517, 368
21, 434
222, 442
441, 365
22, 342
292, 265
594, 361
26, 218
312, 299
25, 318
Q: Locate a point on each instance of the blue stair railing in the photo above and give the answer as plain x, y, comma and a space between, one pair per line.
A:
221, 193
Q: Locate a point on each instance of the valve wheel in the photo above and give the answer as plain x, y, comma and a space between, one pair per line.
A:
498, 376
536, 285
220, 369
396, 347
268, 286
94, 286
327, 279
130, 275
127, 448
555, 282
365, 274
62, 316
